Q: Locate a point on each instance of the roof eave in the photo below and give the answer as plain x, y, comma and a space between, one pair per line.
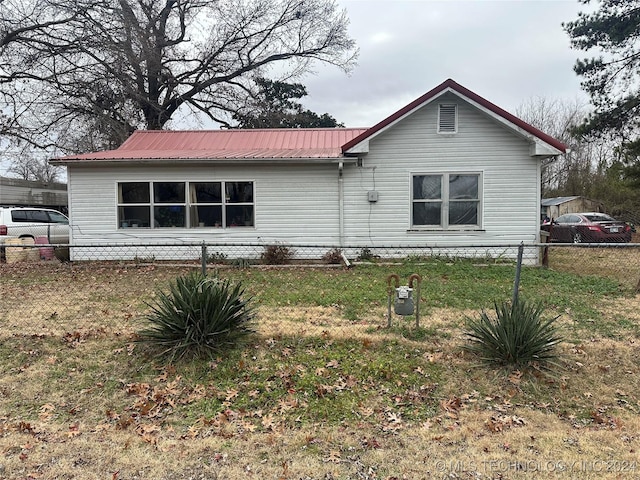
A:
181, 161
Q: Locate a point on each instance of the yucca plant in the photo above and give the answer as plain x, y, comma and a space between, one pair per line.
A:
199, 317
518, 336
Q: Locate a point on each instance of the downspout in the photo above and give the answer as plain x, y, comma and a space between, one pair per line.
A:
340, 203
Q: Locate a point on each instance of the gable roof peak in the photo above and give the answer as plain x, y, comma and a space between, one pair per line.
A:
451, 85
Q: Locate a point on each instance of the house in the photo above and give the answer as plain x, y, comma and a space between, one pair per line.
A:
554, 207
27, 193
449, 169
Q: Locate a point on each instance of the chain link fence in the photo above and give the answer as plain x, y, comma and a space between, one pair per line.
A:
107, 289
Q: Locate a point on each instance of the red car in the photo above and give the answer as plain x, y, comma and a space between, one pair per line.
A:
588, 228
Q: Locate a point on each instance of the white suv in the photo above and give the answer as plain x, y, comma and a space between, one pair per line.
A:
33, 222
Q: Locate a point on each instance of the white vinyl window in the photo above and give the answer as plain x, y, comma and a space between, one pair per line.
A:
185, 204
447, 118
446, 200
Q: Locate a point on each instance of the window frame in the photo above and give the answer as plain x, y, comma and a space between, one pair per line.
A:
445, 202
188, 204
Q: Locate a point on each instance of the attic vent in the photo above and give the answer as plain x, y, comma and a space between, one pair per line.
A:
447, 119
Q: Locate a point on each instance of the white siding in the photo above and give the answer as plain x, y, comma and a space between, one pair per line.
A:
510, 179
295, 204
299, 204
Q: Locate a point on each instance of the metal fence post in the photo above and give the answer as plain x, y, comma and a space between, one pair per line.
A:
418, 280
390, 291
516, 282
204, 258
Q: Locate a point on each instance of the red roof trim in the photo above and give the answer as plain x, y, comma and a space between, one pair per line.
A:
466, 93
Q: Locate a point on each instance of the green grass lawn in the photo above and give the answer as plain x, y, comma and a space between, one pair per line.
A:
323, 389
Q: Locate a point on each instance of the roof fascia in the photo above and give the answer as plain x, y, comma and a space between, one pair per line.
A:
538, 146
192, 161
363, 146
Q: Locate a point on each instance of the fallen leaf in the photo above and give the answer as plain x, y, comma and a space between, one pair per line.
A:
268, 422
231, 394
333, 364
74, 431
334, 457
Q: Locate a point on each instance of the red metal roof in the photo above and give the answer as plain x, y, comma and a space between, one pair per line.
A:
450, 84
291, 144
298, 143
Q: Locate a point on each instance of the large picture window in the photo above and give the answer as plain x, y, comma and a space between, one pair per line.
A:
185, 204
446, 200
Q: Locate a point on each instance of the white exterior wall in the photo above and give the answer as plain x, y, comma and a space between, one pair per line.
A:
296, 204
299, 204
510, 180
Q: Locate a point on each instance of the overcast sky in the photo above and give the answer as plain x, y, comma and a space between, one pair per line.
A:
507, 51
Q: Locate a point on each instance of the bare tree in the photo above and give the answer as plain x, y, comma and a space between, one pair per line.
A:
571, 173
594, 167
29, 165
80, 75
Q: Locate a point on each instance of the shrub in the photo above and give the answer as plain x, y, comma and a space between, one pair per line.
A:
198, 317
517, 336
333, 257
217, 257
240, 263
277, 254
366, 255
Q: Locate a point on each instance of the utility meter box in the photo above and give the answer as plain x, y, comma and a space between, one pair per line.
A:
404, 301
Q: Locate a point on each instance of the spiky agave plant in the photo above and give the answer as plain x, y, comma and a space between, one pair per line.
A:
199, 317
518, 336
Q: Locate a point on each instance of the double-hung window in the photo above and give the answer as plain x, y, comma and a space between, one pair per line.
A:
446, 200
185, 204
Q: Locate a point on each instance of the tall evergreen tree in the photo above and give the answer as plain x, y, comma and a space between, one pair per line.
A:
612, 76
275, 105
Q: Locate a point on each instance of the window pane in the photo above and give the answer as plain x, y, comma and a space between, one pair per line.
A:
168, 192
133, 192
169, 216
206, 192
133, 217
19, 215
37, 216
427, 213
209, 216
58, 218
427, 187
463, 187
240, 215
463, 213
239, 192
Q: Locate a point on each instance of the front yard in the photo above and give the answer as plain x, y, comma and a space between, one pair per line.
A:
323, 390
